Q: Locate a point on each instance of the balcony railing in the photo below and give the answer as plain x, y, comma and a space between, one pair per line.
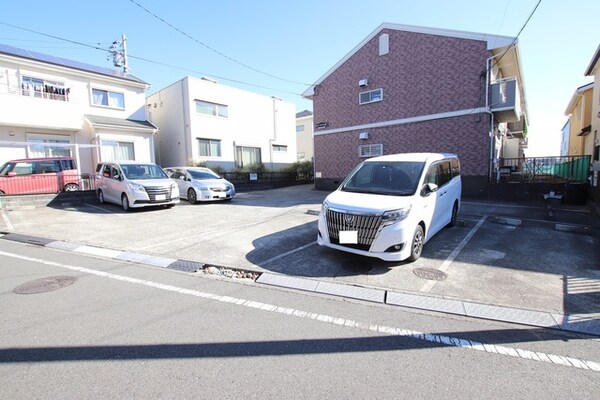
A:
505, 100
41, 91
543, 169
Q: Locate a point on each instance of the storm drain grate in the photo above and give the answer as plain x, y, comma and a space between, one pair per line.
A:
45, 285
356, 266
430, 274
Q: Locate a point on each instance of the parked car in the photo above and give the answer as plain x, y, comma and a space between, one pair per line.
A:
135, 184
390, 206
39, 175
201, 184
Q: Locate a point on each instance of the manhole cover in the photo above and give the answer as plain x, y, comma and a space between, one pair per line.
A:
431, 274
45, 285
356, 266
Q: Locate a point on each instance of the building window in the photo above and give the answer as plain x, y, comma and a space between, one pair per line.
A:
117, 151
299, 128
106, 98
280, 148
246, 156
41, 146
370, 150
370, 96
209, 147
214, 109
43, 89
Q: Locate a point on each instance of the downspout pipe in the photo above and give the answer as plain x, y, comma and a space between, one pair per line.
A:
488, 77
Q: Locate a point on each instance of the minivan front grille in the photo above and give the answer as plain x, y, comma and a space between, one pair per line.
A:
367, 227
154, 191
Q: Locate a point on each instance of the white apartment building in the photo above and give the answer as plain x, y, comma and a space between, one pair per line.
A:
304, 136
57, 107
202, 121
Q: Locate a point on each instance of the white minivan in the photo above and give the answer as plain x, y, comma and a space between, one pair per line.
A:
390, 206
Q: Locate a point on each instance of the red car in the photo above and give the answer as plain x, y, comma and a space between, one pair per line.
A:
39, 175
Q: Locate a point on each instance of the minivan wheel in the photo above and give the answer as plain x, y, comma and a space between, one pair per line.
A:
124, 202
416, 247
191, 196
71, 187
100, 197
454, 217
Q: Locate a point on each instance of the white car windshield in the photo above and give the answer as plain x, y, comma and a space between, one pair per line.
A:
143, 171
395, 178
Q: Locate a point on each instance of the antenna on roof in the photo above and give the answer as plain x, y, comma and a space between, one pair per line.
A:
118, 51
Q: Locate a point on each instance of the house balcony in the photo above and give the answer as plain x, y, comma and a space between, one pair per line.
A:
505, 100
39, 109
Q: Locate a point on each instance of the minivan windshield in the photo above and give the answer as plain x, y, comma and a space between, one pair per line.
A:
143, 171
394, 178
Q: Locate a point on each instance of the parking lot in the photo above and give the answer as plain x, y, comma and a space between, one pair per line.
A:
502, 256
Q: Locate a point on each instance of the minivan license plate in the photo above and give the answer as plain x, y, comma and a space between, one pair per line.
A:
349, 237
161, 197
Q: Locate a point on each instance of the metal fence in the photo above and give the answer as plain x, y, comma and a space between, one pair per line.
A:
244, 179
543, 169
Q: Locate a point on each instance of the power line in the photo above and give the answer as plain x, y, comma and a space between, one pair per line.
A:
213, 49
518, 34
148, 60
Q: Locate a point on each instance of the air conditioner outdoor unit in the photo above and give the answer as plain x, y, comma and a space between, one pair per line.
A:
363, 82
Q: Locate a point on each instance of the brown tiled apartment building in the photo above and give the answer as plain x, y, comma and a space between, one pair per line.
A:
413, 89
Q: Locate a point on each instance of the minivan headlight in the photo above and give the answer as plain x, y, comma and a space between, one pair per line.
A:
396, 215
135, 187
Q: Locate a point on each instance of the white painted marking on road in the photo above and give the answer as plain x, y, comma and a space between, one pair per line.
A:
6, 220
374, 328
446, 264
270, 260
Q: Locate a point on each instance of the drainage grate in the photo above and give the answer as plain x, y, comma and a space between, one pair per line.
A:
45, 285
431, 274
356, 266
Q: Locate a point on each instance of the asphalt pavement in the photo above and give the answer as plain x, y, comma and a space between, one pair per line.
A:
536, 263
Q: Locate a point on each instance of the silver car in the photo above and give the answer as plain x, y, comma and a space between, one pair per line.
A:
135, 184
201, 184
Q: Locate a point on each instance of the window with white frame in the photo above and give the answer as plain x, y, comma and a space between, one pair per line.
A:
209, 147
105, 98
214, 109
246, 156
113, 150
299, 128
280, 148
370, 150
371, 96
41, 145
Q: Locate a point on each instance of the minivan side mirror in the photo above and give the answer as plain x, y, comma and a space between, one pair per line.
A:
429, 188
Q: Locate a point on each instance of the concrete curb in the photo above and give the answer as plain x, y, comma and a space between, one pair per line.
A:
430, 303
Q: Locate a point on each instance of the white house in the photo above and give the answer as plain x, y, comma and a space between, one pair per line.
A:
57, 107
202, 121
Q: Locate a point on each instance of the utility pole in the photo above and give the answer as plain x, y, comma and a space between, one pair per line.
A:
118, 51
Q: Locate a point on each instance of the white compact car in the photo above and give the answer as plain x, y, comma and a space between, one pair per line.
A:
201, 184
390, 206
135, 184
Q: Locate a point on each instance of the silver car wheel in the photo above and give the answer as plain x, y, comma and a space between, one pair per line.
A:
125, 202
191, 196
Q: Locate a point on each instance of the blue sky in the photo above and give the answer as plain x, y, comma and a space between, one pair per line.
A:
276, 47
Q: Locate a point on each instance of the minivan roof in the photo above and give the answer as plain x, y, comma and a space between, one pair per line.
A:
40, 159
423, 157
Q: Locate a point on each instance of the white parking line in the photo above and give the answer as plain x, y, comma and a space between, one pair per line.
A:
288, 253
375, 328
9, 226
446, 264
